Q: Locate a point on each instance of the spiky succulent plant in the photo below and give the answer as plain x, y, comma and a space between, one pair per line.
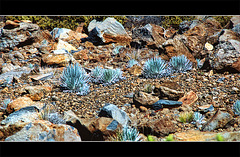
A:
155, 68
106, 76
180, 64
131, 63
236, 107
130, 134
96, 74
111, 76
74, 78
198, 119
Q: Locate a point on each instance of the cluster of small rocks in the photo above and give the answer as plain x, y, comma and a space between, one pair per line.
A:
32, 61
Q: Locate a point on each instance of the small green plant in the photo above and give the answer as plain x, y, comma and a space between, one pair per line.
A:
150, 138
186, 117
169, 138
219, 137
148, 88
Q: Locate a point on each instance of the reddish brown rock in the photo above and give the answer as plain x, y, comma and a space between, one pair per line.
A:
196, 37
11, 24
159, 127
188, 99
169, 89
144, 99
175, 47
93, 129
81, 55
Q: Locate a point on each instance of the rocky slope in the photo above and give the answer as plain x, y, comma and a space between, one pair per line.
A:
34, 107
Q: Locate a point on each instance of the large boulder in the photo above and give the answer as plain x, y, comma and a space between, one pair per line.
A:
219, 120
17, 120
199, 33
41, 130
149, 35
112, 111
93, 129
176, 47
19, 34
226, 57
110, 30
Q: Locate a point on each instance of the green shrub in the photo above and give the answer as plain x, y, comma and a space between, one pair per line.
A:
223, 20
186, 117
174, 21
70, 22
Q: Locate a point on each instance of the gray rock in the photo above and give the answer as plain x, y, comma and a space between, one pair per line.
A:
112, 111
7, 77
109, 26
165, 103
224, 57
219, 120
186, 25
24, 115
45, 131
236, 28
25, 34
60, 33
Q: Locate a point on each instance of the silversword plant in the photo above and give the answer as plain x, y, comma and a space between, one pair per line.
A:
74, 78
236, 107
180, 64
198, 119
155, 68
106, 76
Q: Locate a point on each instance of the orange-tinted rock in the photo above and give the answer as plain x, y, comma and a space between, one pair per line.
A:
11, 24
81, 55
19, 103
37, 92
188, 99
57, 59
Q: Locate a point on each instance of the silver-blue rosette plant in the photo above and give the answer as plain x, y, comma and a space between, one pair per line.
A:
236, 107
130, 134
180, 64
131, 63
75, 79
155, 68
106, 76
198, 119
